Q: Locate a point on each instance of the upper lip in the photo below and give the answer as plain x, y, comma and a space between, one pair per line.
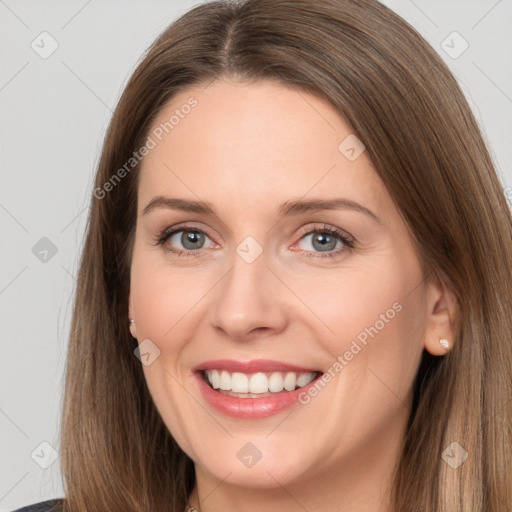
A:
253, 366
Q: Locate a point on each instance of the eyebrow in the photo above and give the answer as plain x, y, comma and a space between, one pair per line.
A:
288, 208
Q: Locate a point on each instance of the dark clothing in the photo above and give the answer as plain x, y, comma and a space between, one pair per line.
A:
42, 506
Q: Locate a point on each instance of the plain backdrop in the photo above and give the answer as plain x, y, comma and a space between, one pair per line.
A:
55, 108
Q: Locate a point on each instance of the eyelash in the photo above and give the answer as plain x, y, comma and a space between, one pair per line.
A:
347, 240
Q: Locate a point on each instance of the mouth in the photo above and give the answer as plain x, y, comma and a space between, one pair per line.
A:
253, 389
256, 384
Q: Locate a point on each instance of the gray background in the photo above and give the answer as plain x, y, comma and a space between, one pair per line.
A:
54, 112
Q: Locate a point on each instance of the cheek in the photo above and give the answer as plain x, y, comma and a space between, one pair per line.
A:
376, 318
162, 297
162, 304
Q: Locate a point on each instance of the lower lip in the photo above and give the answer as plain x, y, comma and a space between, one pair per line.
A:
250, 408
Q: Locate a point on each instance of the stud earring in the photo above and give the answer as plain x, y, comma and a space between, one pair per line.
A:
444, 343
132, 321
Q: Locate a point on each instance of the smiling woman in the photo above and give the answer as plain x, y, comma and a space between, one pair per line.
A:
318, 255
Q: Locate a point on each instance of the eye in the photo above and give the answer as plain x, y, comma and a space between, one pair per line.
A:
323, 239
191, 239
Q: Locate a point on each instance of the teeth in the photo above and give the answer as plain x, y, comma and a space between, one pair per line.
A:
258, 383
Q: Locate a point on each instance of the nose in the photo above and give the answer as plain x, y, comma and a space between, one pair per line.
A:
249, 300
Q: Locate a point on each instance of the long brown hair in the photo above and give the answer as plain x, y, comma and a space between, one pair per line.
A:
408, 110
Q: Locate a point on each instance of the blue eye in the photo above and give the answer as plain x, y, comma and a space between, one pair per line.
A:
325, 238
189, 239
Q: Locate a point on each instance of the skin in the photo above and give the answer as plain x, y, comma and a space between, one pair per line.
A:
247, 148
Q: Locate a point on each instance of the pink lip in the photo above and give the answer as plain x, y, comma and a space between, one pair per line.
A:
249, 408
256, 365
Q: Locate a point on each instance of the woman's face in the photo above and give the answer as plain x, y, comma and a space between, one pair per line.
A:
254, 281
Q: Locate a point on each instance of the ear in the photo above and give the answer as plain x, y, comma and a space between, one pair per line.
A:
441, 317
133, 327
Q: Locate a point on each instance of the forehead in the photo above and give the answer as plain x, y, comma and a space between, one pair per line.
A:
248, 143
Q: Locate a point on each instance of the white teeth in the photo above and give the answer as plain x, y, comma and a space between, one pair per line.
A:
225, 381
215, 379
289, 381
275, 383
258, 383
239, 383
303, 380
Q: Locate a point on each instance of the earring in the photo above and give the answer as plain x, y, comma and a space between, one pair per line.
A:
445, 343
132, 321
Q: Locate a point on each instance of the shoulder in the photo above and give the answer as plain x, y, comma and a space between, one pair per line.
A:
43, 506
